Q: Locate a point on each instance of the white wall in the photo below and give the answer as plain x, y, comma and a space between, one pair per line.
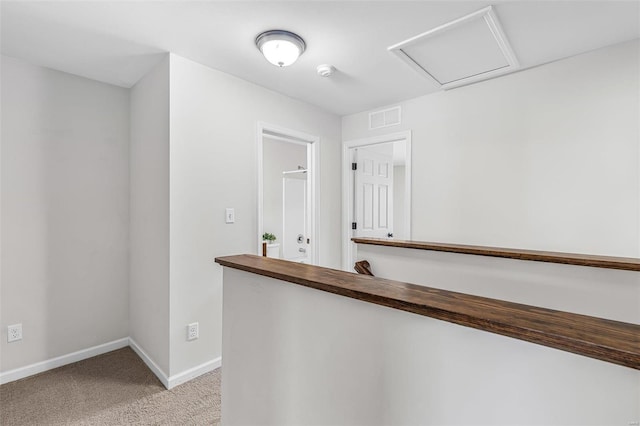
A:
389, 367
278, 156
213, 166
149, 221
65, 213
547, 158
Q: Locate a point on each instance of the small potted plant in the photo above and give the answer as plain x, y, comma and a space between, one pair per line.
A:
269, 246
269, 238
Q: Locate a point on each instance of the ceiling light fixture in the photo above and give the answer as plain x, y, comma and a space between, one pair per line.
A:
281, 48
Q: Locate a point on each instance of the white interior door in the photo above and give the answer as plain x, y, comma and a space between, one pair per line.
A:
373, 193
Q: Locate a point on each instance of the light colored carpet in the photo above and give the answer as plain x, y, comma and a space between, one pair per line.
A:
116, 388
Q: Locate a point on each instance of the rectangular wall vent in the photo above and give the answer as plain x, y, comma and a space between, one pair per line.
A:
464, 51
385, 118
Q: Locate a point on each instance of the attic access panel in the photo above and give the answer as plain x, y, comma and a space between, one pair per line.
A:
464, 51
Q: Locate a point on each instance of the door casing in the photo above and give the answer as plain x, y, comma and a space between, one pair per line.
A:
348, 247
313, 181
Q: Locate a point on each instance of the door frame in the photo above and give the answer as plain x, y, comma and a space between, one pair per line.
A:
348, 246
313, 180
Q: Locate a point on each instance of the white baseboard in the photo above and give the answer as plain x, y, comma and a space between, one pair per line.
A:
39, 367
168, 382
176, 379
192, 373
150, 363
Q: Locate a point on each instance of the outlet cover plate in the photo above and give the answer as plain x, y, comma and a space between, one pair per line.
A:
192, 331
14, 333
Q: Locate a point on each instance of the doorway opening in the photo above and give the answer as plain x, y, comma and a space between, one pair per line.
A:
376, 191
287, 194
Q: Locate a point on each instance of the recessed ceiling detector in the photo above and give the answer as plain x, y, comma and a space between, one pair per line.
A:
325, 70
281, 48
467, 50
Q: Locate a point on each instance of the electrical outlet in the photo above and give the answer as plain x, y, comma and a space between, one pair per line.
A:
14, 332
192, 331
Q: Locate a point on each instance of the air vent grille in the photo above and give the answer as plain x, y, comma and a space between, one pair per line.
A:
385, 118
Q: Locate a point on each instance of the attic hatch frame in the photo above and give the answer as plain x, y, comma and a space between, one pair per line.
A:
490, 18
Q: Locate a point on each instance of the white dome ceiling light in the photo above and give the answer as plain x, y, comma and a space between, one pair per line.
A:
281, 48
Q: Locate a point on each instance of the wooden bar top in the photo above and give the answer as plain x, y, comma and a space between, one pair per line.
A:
603, 339
625, 263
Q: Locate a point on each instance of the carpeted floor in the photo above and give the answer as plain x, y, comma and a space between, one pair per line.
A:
116, 388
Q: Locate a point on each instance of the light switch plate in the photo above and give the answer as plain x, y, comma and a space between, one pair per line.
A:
230, 215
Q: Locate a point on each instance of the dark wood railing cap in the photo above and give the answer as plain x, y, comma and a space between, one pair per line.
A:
606, 340
625, 263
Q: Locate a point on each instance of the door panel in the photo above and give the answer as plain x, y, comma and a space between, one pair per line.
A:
383, 206
373, 193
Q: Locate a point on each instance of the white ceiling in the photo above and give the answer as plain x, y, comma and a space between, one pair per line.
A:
119, 41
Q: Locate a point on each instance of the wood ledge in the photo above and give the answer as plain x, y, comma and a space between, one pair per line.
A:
610, 262
602, 339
